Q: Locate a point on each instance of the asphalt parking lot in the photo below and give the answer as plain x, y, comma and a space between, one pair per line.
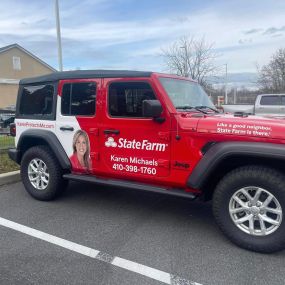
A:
152, 233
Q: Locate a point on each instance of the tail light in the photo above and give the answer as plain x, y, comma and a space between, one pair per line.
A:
13, 129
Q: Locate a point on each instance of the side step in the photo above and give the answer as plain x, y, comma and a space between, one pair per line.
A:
129, 185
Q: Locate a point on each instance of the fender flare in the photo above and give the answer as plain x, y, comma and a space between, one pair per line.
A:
221, 151
50, 139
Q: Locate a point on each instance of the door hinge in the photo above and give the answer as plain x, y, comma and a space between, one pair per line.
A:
164, 136
94, 155
163, 163
94, 131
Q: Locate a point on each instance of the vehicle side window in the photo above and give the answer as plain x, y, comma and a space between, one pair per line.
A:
126, 98
270, 100
78, 99
282, 100
36, 100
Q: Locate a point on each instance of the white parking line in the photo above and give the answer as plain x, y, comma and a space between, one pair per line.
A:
138, 268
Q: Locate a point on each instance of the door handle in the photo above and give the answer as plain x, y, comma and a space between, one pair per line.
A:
67, 128
107, 132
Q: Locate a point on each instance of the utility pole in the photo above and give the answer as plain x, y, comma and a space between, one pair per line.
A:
59, 50
226, 84
235, 95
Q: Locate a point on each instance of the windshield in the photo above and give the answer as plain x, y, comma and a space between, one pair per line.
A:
186, 94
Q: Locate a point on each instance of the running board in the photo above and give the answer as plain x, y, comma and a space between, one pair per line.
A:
129, 185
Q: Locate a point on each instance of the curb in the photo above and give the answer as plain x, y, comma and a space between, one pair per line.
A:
10, 177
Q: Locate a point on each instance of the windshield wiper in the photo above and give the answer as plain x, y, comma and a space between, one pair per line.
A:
206, 107
187, 107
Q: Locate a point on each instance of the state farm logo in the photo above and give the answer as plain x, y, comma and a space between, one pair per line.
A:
110, 142
134, 144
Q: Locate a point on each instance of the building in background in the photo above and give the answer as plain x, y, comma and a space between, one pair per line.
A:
17, 63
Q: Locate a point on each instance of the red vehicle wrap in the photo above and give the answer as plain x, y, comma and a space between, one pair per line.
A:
159, 133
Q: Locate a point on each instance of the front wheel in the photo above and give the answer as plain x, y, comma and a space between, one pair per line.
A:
41, 173
249, 207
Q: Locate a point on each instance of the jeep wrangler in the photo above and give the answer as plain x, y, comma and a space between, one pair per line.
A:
153, 132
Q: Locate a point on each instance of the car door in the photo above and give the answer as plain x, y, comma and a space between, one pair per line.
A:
133, 146
77, 120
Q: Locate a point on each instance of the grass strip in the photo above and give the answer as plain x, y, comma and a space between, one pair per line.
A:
6, 164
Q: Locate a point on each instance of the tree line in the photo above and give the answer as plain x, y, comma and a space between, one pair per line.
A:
195, 58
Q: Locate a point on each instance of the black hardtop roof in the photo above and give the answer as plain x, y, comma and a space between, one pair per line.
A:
81, 74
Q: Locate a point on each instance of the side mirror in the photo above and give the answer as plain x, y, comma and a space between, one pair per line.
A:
151, 108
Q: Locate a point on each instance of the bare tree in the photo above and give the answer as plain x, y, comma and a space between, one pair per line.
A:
272, 76
191, 58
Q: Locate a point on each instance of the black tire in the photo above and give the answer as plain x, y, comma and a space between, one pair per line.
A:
246, 178
55, 183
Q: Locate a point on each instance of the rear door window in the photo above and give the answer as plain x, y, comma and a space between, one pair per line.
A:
78, 99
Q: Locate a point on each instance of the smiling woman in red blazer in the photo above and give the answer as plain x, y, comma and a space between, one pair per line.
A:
80, 159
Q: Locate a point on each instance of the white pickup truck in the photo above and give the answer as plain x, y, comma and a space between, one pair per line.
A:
265, 104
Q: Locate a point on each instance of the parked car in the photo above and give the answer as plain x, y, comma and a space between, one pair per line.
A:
153, 132
11, 108
265, 104
6, 119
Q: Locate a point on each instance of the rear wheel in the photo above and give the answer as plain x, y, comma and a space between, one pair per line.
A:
41, 173
249, 206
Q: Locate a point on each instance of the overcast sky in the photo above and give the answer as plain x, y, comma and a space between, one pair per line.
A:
129, 34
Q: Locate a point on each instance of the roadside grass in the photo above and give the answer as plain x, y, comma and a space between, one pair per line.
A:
6, 164
6, 142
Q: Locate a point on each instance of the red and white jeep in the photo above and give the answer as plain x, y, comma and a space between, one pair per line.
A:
154, 132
